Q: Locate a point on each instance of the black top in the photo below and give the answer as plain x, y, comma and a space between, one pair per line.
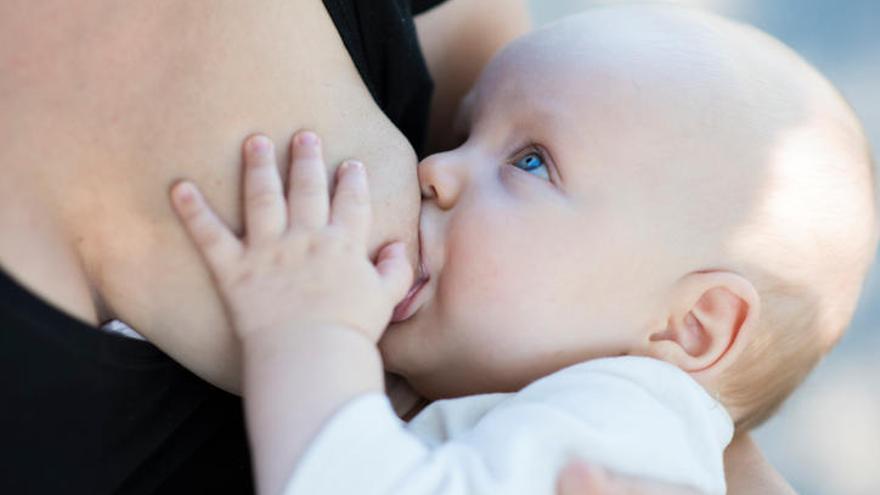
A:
87, 412
381, 38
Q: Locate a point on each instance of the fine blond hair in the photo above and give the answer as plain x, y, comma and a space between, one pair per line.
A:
808, 303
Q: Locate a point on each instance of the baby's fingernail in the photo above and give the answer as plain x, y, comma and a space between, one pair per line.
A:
184, 193
393, 250
307, 138
259, 144
350, 166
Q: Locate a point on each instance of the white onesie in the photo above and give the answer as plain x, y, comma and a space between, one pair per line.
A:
635, 416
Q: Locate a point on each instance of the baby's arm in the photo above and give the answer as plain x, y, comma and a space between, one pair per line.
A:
515, 444
305, 301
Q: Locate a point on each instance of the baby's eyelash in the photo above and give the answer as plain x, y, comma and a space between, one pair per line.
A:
527, 151
541, 169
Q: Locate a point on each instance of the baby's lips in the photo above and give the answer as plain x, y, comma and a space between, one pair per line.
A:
405, 308
400, 309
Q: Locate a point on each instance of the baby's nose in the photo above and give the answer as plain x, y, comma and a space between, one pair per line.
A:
441, 178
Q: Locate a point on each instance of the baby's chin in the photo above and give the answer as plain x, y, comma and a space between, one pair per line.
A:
434, 379
421, 364
395, 351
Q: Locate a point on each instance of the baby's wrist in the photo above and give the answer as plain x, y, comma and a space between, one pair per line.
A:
328, 338
340, 362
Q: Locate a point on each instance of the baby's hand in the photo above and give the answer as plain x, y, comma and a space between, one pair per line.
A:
302, 263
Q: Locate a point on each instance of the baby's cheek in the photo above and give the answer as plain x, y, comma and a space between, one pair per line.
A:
485, 263
476, 297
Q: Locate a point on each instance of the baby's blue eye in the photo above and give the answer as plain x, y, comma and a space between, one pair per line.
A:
533, 163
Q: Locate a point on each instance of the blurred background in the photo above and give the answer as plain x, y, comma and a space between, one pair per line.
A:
826, 439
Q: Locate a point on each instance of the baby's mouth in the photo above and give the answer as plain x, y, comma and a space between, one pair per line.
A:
405, 308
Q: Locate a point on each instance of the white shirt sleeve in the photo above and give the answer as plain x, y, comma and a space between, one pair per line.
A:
631, 415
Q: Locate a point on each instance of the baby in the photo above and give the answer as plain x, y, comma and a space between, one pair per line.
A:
658, 222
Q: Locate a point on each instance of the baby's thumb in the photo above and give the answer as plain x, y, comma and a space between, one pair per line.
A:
395, 270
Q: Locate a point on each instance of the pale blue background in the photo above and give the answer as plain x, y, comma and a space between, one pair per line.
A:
826, 440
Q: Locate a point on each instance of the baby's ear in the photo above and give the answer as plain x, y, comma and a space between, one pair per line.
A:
712, 316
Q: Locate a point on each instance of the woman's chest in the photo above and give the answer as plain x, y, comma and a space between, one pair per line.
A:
170, 94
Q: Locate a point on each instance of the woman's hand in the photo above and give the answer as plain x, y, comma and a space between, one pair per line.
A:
746, 468
579, 478
302, 263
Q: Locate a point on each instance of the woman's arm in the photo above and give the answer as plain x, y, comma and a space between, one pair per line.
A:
748, 471
458, 38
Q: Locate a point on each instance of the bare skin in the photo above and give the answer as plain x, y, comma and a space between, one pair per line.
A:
140, 95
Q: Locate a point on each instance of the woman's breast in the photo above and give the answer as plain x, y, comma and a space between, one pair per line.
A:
171, 94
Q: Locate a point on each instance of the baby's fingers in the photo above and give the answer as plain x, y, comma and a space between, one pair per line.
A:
395, 270
308, 200
212, 238
264, 208
351, 203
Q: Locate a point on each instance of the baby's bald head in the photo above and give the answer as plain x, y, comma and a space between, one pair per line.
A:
754, 162
692, 189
